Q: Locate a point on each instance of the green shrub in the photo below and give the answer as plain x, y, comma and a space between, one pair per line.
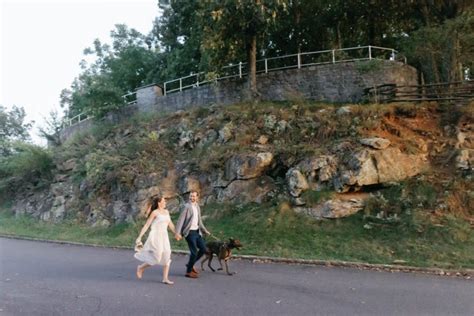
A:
30, 166
102, 167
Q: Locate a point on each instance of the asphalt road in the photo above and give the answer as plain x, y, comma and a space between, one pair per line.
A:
53, 279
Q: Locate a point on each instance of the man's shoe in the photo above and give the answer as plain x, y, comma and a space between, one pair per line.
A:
191, 275
194, 269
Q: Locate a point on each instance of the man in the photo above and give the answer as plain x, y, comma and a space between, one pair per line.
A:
191, 227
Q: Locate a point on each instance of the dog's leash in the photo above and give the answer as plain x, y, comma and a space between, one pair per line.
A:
215, 238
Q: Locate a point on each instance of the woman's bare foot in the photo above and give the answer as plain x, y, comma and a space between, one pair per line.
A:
167, 282
139, 272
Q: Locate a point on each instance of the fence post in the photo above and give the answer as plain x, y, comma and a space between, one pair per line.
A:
266, 65
333, 56
197, 80
370, 52
240, 69
180, 84
164, 89
299, 60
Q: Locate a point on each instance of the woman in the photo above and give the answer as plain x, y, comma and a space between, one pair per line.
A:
157, 249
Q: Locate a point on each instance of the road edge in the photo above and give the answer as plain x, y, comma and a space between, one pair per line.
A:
464, 273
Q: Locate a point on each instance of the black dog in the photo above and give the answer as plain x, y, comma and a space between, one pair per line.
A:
223, 251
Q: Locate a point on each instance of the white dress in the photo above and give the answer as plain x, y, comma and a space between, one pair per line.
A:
157, 249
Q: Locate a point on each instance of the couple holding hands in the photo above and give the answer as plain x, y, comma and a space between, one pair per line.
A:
157, 249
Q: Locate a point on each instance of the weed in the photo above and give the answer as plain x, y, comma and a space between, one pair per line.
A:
312, 197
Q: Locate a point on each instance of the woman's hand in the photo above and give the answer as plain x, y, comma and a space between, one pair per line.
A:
138, 240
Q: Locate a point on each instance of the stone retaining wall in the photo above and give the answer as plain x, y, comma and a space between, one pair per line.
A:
340, 83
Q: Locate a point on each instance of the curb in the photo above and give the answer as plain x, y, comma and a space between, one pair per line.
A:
463, 273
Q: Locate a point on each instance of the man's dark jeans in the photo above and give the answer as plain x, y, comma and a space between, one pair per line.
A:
195, 242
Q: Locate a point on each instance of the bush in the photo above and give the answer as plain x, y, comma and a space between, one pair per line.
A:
102, 167
29, 166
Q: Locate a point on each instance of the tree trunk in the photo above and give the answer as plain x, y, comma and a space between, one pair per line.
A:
298, 27
253, 67
434, 64
338, 35
456, 65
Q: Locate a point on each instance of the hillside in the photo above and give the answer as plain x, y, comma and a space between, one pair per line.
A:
340, 175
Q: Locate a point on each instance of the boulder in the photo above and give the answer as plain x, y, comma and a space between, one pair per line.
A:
367, 167
375, 142
247, 166
395, 166
226, 132
465, 159
341, 208
35, 204
262, 140
245, 191
332, 209
297, 182
319, 169
120, 211
282, 126
186, 139
58, 210
188, 184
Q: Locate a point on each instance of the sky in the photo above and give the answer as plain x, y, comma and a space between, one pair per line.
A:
42, 43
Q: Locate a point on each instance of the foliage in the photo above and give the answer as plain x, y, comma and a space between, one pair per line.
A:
13, 128
29, 166
103, 168
118, 69
203, 36
52, 129
443, 52
402, 203
252, 17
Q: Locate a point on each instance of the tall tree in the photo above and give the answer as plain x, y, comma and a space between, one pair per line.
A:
232, 25
441, 45
178, 32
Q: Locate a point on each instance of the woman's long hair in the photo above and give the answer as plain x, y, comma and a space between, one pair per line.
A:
153, 204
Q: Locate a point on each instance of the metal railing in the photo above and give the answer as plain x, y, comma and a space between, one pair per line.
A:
129, 98
240, 70
76, 119
292, 61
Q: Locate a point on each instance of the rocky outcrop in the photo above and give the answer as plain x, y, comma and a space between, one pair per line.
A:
368, 167
465, 159
297, 182
352, 170
241, 167
465, 147
243, 191
349, 171
334, 208
289, 153
375, 142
